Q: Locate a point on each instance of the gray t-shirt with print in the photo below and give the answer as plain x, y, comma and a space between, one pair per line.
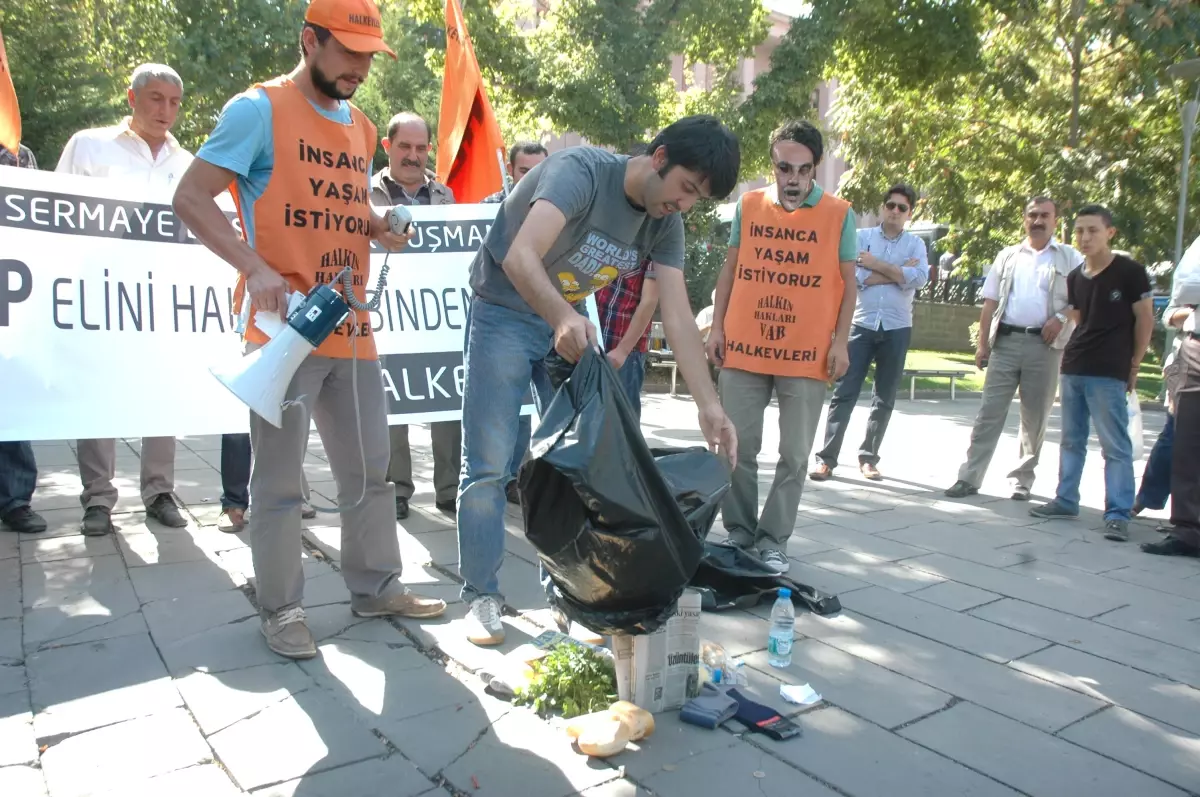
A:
605, 236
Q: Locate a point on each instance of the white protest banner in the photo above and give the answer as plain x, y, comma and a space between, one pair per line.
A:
111, 314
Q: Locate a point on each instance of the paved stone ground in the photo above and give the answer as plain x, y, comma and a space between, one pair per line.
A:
979, 652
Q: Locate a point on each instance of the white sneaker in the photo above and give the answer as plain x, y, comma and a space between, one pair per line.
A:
775, 559
483, 622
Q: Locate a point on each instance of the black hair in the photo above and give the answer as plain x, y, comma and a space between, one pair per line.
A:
404, 117
702, 144
801, 132
322, 35
525, 148
1096, 210
904, 189
1042, 199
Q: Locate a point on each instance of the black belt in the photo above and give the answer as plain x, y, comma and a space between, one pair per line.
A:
1193, 335
1009, 329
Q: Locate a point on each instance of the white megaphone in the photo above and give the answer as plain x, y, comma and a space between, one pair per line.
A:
260, 379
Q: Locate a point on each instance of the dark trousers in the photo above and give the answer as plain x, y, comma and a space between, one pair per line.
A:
235, 471
1156, 478
1185, 465
887, 349
18, 476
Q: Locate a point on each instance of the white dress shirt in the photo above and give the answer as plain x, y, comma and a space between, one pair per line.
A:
118, 152
1028, 305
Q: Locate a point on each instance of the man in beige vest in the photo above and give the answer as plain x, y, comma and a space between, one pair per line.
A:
406, 181
1022, 332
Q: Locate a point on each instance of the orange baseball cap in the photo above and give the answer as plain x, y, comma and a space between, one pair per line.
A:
354, 23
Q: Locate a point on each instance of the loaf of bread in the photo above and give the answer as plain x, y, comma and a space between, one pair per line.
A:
603, 738
605, 733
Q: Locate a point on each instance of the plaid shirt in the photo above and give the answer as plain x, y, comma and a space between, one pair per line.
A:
617, 304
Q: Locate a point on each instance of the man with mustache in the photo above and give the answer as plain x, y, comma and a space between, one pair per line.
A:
1023, 329
781, 322
406, 181
298, 156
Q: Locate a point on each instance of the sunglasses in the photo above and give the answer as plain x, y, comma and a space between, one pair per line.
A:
900, 206
802, 169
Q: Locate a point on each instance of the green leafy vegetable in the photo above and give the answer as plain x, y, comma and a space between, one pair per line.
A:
571, 681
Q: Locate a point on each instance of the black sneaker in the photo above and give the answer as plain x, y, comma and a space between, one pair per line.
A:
511, 493
97, 521
1116, 530
164, 510
961, 489
401, 508
448, 507
24, 520
1053, 511
1171, 546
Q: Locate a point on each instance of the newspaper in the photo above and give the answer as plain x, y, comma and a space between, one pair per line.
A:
661, 671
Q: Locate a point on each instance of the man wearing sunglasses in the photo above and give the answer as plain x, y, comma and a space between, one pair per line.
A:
1022, 332
781, 319
892, 266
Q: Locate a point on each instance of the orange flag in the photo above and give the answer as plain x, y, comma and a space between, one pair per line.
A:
10, 114
470, 154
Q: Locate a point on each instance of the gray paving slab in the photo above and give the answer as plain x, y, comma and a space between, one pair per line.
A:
211, 632
858, 542
1086, 583
184, 616
12, 678
820, 578
956, 540
739, 769
1100, 640
439, 547
59, 523
1012, 583
383, 684
78, 600
11, 650
673, 744
866, 761
1169, 701
128, 624
1089, 555
1150, 623
954, 596
59, 582
1151, 747
303, 734
18, 743
1182, 587
80, 687
335, 620
222, 699
961, 631
448, 634
143, 548
24, 781
891, 575
523, 755
1036, 763
10, 547
204, 780
107, 758
391, 776
10, 588
616, 788
738, 632
1017, 695
857, 685
54, 549
158, 582
877, 522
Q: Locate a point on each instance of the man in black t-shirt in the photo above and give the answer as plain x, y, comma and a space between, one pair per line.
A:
1109, 299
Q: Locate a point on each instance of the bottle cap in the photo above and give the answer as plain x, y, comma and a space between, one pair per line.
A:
784, 592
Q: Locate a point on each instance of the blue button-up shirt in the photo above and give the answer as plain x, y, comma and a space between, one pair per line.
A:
889, 306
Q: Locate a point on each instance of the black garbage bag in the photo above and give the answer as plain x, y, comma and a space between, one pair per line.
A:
618, 527
731, 578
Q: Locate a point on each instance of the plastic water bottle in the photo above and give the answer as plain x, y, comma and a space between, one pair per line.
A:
783, 629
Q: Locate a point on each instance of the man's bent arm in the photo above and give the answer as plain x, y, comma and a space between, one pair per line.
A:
1143, 327
642, 317
724, 288
526, 268
195, 205
682, 335
849, 300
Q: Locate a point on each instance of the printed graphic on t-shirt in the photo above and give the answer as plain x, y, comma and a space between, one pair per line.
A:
592, 262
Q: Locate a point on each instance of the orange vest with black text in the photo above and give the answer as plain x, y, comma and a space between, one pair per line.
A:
313, 220
787, 287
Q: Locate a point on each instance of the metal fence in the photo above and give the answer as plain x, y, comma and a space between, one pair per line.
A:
952, 291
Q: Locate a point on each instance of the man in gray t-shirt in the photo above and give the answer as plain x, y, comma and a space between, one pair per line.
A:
575, 223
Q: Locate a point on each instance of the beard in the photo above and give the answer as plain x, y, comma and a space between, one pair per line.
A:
327, 86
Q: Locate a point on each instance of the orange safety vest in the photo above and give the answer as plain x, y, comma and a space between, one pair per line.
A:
787, 290
314, 217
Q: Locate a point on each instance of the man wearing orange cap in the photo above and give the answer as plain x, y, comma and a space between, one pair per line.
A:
299, 156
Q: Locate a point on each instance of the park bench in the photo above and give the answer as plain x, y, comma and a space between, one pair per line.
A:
914, 373
664, 358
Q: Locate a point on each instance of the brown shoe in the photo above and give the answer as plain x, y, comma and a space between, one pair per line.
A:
231, 520
404, 604
821, 473
871, 472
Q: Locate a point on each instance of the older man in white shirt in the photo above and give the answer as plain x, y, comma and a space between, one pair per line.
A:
139, 149
1022, 332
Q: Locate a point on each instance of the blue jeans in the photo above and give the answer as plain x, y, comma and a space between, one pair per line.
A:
887, 349
505, 352
18, 476
524, 432
235, 471
1102, 400
1156, 478
632, 374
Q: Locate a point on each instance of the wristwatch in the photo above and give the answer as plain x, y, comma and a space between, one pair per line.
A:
1062, 319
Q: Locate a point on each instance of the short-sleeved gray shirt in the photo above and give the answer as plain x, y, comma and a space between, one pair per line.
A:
604, 238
